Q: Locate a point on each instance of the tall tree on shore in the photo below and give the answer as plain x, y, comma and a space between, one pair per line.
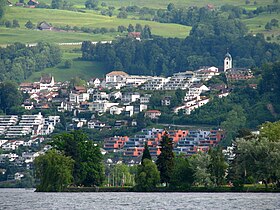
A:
218, 166
88, 167
165, 161
183, 174
146, 153
259, 154
54, 171
147, 176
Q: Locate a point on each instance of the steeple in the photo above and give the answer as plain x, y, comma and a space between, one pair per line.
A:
227, 62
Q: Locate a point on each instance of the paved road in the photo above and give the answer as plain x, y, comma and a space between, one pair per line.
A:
61, 44
186, 126
70, 43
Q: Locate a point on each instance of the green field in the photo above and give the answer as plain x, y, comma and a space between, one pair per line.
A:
162, 4
64, 17
82, 69
257, 24
10, 35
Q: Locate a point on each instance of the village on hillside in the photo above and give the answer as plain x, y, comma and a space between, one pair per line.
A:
123, 97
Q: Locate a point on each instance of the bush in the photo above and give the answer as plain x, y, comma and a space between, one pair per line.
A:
29, 25
15, 24
122, 15
8, 24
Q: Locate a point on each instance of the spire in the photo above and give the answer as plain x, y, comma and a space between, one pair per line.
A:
228, 55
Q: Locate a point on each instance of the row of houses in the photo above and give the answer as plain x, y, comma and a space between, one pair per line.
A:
180, 80
187, 142
13, 126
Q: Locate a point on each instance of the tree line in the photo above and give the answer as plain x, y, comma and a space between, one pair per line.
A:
254, 158
76, 160
205, 46
17, 61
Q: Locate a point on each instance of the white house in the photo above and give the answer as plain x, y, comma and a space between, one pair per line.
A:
129, 110
155, 83
46, 82
101, 106
97, 96
195, 90
53, 120
65, 106
116, 77
206, 73
190, 106
115, 95
95, 124
116, 110
180, 80
145, 99
95, 82
130, 97
28, 105
77, 98
136, 80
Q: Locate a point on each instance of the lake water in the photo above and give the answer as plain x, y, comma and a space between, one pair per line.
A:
25, 199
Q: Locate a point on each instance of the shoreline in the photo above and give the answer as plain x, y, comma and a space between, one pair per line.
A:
163, 190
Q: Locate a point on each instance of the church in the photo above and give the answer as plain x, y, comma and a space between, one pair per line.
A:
234, 74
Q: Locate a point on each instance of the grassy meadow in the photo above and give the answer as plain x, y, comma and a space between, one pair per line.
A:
81, 69
63, 17
257, 25
11, 35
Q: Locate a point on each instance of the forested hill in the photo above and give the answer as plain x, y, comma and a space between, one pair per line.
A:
205, 46
17, 62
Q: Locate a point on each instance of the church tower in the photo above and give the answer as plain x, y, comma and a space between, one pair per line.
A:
227, 62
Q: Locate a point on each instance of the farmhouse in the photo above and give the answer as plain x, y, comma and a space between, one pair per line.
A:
45, 26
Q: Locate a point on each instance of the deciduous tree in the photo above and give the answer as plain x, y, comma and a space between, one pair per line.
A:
88, 167
54, 171
183, 175
147, 176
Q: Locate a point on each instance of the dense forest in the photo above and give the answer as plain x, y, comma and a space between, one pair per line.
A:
206, 46
17, 61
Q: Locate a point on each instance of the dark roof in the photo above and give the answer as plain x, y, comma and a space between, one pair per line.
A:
46, 79
228, 55
44, 26
32, 2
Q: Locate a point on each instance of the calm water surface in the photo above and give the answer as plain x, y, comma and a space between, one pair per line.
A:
24, 199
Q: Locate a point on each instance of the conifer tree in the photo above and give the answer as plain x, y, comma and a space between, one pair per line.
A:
165, 161
146, 154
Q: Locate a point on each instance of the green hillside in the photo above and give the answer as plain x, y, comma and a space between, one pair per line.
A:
257, 25
63, 17
81, 69
11, 35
